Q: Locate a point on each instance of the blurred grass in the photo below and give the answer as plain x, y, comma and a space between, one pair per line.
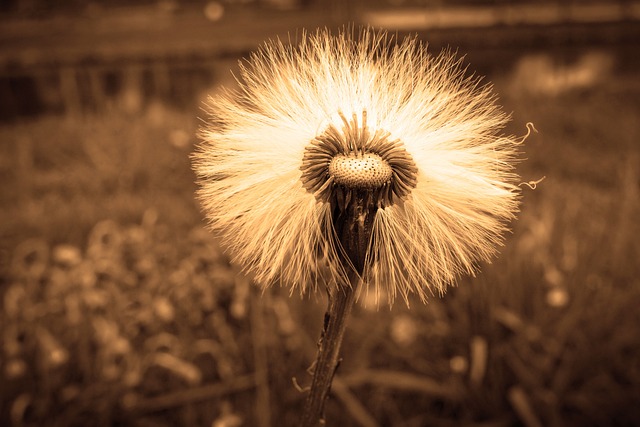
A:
62, 175
119, 309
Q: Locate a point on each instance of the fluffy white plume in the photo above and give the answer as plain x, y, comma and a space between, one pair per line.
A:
249, 163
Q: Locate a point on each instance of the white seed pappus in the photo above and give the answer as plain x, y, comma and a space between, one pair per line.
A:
249, 163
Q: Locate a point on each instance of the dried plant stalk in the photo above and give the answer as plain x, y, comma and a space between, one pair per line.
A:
353, 227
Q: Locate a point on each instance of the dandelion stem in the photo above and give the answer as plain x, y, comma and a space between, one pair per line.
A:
353, 227
335, 322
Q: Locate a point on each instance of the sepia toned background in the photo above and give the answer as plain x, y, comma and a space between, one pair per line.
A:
117, 307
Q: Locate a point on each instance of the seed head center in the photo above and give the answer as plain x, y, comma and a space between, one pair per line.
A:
367, 171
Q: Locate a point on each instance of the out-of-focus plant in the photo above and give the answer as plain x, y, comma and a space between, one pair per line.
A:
96, 331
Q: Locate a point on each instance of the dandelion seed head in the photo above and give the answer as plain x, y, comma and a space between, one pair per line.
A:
351, 117
356, 159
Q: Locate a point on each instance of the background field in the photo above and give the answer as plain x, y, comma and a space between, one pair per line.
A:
118, 308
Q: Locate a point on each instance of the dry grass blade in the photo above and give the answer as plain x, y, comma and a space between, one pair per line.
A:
403, 381
353, 406
521, 404
197, 394
263, 408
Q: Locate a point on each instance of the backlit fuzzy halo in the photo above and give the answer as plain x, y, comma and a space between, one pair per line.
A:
426, 137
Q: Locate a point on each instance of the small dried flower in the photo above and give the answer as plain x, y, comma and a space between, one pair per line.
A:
357, 118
